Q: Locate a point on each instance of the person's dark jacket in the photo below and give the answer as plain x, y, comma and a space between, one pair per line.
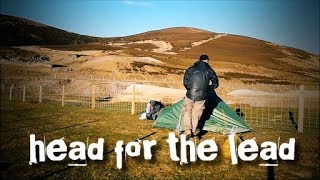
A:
196, 81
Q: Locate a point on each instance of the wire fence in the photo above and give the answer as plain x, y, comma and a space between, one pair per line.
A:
284, 107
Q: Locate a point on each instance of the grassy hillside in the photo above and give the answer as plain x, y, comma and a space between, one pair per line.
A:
18, 31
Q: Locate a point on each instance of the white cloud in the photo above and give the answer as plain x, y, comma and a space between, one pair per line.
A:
137, 3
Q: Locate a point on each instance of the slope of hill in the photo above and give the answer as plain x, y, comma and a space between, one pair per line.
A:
19, 31
233, 56
191, 42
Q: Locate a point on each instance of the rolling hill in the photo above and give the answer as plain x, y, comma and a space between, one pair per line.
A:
233, 56
18, 31
191, 42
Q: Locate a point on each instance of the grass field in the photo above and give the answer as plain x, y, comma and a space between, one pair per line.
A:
18, 120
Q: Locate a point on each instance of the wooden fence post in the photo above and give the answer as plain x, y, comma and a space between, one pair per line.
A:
93, 96
40, 94
10, 93
62, 98
133, 103
301, 109
2, 88
24, 94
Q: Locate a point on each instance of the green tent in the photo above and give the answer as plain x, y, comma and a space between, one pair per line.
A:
217, 117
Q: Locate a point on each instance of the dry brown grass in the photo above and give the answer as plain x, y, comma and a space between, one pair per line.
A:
119, 125
83, 47
238, 49
142, 47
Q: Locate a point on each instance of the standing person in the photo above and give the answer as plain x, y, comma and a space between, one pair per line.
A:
198, 80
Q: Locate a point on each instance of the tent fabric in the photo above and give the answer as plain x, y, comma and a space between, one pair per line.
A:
217, 117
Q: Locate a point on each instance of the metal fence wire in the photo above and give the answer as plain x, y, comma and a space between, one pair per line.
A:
260, 105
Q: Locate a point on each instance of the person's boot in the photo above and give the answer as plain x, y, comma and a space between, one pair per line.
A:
188, 134
194, 137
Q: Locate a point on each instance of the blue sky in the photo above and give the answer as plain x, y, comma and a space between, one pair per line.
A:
292, 23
